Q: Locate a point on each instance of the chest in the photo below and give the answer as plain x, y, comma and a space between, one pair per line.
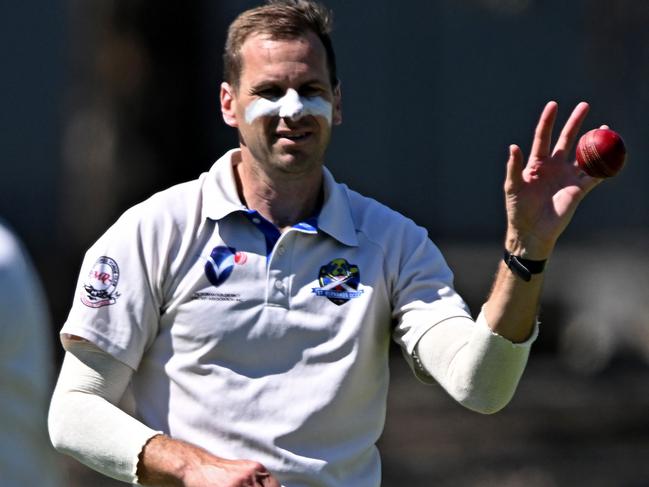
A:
305, 293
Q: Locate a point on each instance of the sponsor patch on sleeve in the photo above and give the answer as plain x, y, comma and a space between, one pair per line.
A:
100, 287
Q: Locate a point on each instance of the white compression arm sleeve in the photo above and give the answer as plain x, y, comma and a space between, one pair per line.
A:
477, 367
84, 419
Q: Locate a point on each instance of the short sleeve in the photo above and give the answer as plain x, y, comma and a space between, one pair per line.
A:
423, 293
116, 301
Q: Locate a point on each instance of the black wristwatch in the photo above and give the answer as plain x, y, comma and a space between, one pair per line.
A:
523, 268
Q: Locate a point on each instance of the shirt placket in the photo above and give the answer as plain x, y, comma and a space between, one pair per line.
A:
278, 283
279, 250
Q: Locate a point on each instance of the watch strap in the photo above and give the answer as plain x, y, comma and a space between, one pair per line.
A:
523, 268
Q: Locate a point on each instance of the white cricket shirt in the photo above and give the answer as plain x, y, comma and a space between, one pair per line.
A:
261, 346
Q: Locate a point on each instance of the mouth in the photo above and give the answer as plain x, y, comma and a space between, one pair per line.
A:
293, 136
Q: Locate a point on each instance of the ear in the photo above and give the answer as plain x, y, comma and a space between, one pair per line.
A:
228, 99
337, 117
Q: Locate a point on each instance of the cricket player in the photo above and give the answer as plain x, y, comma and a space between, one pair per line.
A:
248, 314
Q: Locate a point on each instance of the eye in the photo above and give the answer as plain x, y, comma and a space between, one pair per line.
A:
311, 91
269, 92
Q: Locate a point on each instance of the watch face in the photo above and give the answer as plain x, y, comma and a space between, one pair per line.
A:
523, 268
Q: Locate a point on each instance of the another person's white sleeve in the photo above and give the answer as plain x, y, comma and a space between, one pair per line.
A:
477, 367
84, 419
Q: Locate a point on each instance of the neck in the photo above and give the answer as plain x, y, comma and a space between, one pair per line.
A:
285, 200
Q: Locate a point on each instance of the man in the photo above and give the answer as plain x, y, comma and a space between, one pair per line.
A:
26, 457
250, 312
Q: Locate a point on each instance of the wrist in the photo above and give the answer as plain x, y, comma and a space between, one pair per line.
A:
164, 461
523, 268
530, 248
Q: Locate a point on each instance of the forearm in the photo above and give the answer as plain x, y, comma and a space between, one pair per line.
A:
477, 367
512, 307
84, 420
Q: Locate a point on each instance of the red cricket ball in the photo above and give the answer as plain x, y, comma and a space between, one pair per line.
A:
601, 153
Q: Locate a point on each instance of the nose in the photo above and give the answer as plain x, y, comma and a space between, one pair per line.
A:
290, 105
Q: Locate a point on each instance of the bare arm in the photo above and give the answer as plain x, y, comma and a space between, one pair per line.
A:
541, 198
481, 369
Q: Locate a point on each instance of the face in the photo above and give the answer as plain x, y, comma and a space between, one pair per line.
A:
284, 106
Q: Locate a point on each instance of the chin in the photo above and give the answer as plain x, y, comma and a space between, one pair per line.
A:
297, 162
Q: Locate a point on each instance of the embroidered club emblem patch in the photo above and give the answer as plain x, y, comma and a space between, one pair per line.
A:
339, 281
221, 262
100, 287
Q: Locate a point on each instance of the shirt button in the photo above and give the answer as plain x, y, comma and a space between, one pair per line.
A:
279, 285
256, 221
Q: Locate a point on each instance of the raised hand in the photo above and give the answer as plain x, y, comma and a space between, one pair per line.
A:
542, 195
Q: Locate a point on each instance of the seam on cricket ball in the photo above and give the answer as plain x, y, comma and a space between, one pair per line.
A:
594, 163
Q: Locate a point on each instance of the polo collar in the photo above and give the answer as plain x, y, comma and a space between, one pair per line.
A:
220, 198
335, 216
219, 189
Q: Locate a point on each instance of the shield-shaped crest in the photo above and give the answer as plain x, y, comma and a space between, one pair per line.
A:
339, 281
219, 264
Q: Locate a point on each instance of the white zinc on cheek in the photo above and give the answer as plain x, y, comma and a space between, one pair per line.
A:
291, 105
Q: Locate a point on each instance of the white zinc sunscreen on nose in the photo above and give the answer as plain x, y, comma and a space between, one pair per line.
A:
291, 105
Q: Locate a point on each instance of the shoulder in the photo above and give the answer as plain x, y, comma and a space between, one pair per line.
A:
167, 208
410, 256
380, 223
150, 232
173, 202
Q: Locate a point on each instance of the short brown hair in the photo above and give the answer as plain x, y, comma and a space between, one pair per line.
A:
280, 19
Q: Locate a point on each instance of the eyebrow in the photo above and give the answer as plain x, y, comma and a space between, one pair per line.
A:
271, 83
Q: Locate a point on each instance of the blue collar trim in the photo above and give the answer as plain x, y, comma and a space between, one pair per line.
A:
271, 232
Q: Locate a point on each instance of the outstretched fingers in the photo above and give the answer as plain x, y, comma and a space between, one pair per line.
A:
543, 133
571, 129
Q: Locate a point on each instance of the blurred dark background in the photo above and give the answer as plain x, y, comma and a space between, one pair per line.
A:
105, 102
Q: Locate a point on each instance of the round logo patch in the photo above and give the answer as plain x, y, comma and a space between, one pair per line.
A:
100, 287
